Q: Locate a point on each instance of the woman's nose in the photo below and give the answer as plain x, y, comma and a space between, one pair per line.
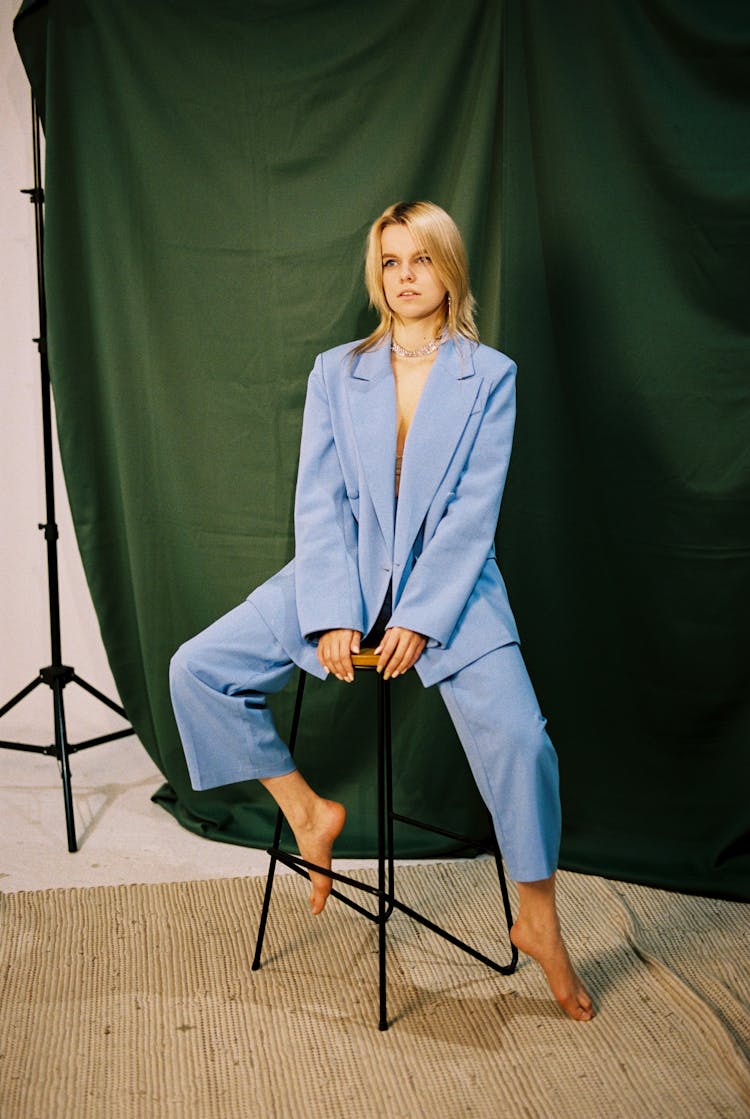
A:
407, 272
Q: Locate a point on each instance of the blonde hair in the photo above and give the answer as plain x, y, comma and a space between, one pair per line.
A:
435, 233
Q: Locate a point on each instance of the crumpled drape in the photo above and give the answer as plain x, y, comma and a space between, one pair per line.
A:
211, 173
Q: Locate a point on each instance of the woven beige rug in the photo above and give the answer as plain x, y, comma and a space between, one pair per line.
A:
138, 1001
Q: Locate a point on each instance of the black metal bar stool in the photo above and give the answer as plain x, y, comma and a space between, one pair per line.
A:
385, 890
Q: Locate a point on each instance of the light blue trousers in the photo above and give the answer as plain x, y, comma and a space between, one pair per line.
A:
221, 678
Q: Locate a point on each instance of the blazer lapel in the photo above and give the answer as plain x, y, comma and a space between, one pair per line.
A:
438, 424
372, 401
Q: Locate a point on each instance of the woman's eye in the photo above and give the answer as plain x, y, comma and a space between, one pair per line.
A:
423, 259
388, 263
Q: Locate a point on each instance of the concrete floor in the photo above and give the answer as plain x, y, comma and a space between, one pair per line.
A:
122, 836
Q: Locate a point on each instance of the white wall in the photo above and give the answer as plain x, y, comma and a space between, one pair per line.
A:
24, 615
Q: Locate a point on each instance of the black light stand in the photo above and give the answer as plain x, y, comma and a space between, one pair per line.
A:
56, 675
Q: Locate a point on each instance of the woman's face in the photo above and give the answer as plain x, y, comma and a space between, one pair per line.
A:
413, 289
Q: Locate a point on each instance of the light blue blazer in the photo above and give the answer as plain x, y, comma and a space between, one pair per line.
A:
435, 547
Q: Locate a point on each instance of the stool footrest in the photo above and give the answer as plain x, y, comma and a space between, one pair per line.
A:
465, 840
301, 866
504, 969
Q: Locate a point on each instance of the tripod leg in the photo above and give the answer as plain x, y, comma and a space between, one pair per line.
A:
99, 695
61, 748
21, 695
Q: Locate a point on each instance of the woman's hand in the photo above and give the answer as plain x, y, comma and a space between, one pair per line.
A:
335, 649
399, 651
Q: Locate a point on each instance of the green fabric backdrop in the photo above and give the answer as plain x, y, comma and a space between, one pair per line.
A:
626, 528
211, 172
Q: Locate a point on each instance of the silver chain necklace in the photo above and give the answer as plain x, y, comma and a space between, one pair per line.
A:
422, 351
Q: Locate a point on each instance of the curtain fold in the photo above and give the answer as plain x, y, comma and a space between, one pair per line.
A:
211, 174
626, 525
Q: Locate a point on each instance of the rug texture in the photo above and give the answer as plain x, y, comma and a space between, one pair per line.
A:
138, 1001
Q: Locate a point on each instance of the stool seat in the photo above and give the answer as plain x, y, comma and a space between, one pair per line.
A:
385, 892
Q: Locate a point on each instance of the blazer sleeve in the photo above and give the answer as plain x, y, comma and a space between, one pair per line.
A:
446, 573
326, 571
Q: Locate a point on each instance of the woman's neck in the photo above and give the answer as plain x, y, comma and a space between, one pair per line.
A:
413, 334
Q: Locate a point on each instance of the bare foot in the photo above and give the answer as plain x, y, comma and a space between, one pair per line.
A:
545, 944
315, 841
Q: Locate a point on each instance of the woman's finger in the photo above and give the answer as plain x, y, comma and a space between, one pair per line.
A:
386, 647
403, 658
399, 651
334, 652
395, 659
336, 658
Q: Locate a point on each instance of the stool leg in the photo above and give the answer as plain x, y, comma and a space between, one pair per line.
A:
389, 815
382, 824
277, 830
506, 899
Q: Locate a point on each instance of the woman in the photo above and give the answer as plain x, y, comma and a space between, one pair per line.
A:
405, 447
